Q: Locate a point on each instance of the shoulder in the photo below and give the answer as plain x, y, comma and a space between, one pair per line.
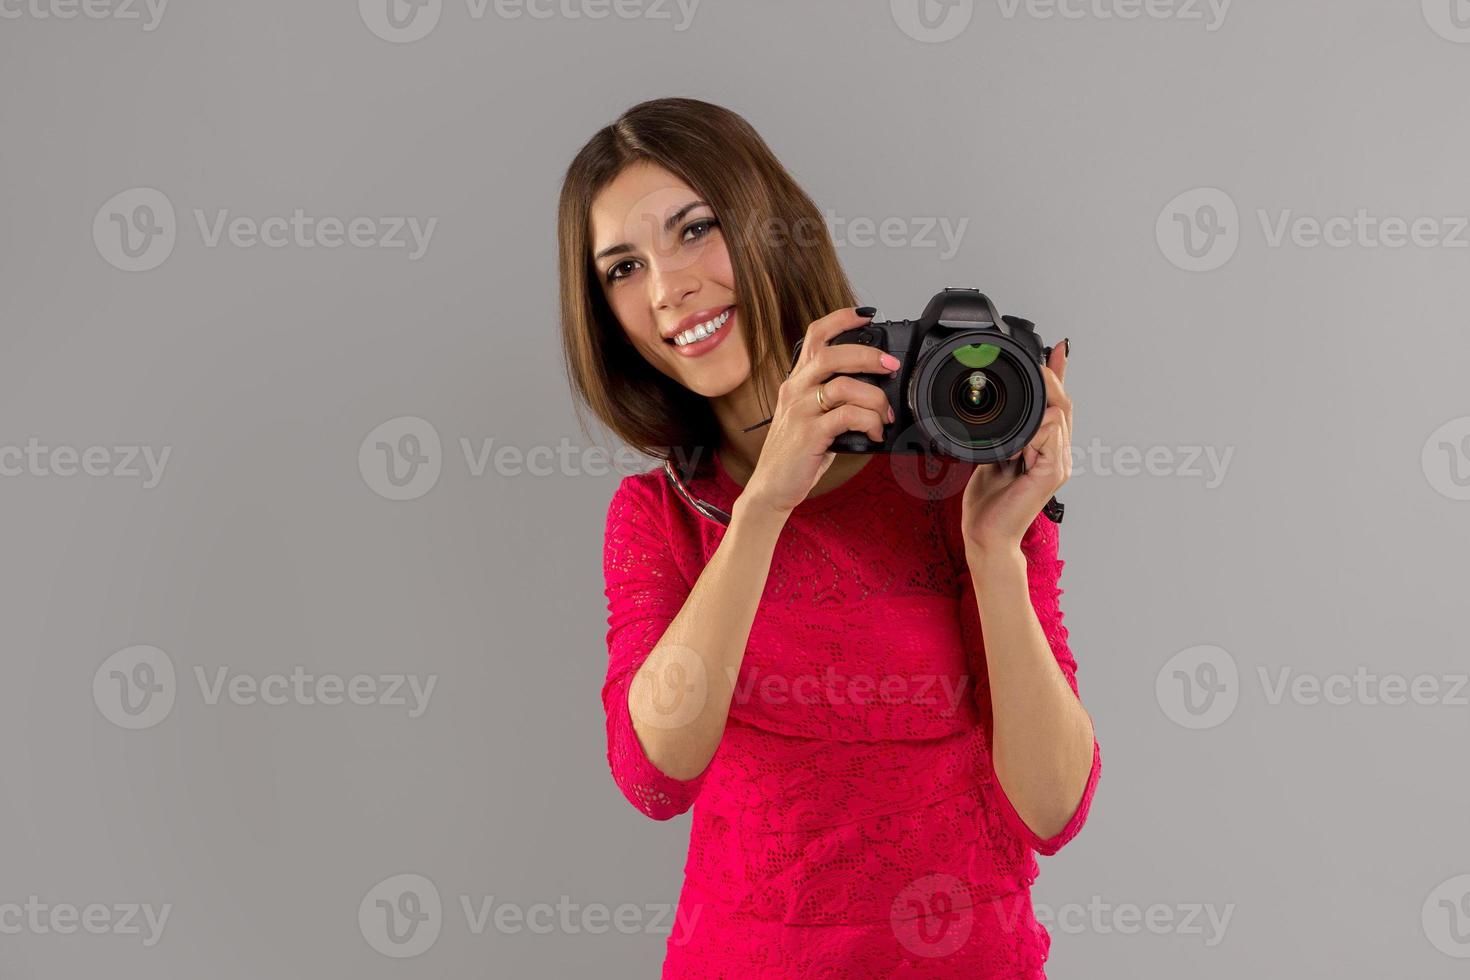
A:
647, 503
638, 496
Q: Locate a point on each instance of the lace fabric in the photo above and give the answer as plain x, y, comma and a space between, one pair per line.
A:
850, 823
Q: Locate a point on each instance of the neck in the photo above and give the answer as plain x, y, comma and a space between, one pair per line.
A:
740, 408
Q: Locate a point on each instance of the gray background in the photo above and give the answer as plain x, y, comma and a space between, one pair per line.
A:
1333, 833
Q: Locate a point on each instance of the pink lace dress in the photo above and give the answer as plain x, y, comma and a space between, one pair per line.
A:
850, 824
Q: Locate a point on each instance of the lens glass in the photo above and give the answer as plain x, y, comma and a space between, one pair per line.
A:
978, 397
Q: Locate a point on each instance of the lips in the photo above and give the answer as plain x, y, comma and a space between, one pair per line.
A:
707, 344
695, 319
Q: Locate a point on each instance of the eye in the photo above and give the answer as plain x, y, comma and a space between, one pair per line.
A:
612, 275
705, 223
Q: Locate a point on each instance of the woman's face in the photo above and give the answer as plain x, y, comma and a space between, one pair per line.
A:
660, 255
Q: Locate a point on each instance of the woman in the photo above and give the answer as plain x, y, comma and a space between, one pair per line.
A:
857, 676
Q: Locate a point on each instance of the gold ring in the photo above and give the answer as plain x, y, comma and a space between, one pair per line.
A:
822, 402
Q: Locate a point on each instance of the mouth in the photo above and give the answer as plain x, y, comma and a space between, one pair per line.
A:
704, 337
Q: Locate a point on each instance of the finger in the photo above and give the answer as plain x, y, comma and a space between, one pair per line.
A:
1033, 454
850, 418
1049, 447
853, 358
829, 326
1053, 416
1055, 393
1051, 419
845, 389
1058, 359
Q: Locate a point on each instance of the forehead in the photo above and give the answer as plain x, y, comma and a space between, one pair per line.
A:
633, 206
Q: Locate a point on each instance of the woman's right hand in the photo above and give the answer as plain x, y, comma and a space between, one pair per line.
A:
796, 451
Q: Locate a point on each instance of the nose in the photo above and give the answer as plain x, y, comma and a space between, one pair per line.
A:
672, 283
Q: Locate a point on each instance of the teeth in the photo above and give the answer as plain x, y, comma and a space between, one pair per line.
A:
702, 330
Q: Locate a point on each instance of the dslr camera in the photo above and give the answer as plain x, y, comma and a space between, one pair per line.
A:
969, 381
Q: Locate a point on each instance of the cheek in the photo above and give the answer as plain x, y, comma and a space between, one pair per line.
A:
714, 262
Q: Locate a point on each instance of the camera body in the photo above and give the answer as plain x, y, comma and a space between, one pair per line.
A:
969, 382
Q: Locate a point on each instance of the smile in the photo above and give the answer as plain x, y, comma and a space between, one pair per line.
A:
701, 331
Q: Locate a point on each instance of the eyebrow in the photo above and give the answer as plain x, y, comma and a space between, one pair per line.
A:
669, 224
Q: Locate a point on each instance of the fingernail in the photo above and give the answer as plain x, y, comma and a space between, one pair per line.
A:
1067, 346
866, 310
889, 361
890, 413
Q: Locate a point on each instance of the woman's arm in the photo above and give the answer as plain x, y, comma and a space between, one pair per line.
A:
1044, 750
1044, 753
674, 650
703, 648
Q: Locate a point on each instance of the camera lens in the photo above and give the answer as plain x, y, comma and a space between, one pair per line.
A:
979, 396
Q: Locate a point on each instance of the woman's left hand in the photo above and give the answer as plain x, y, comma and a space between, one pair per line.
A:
999, 505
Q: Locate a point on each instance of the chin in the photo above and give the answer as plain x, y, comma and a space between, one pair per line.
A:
715, 384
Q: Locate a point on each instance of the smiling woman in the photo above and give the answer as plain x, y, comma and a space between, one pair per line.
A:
872, 765
637, 239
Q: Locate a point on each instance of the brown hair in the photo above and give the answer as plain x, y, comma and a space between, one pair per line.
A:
781, 285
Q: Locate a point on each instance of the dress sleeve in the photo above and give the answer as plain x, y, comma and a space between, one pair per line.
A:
1043, 573
645, 591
